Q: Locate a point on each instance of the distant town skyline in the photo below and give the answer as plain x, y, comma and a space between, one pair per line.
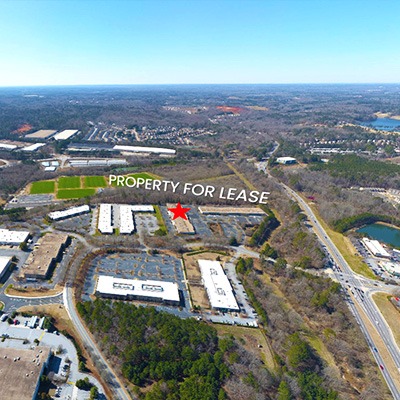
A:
90, 42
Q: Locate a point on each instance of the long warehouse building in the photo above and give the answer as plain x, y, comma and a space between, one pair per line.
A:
141, 149
105, 223
133, 289
5, 262
68, 213
9, 237
218, 287
375, 248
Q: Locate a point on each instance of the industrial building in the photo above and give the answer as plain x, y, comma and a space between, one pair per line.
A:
286, 160
64, 135
33, 147
105, 222
5, 262
218, 287
127, 221
181, 225
133, 289
44, 257
231, 210
41, 134
9, 147
21, 370
70, 212
96, 162
13, 238
375, 248
140, 149
392, 268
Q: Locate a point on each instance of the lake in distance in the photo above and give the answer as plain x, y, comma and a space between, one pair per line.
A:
383, 233
383, 124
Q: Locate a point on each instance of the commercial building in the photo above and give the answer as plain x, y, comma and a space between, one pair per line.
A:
41, 134
64, 135
375, 248
105, 222
98, 162
9, 147
286, 160
5, 262
12, 238
133, 289
127, 221
392, 268
218, 287
231, 210
44, 257
33, 147
21, 370
141, 149
70, 212
181, 225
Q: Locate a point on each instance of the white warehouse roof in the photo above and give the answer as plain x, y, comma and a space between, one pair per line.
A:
142, 208
33, 147
127, 223
13, 237
167, 291
105, 219
140, 149
218, 287
70, 212
8, 146
4, 262
64, 135
375, 248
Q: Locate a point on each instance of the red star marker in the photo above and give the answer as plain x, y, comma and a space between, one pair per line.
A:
179, 211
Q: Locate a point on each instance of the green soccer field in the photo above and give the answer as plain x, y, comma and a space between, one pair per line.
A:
42, 187
69, 182
75, 193
95, 181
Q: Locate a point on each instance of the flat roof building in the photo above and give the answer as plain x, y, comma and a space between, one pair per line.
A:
21, 370
218, 287
68, 213
141, 149
375, 248
127, 222
286, 160
45, 256
33, 147
41, 134
105, 222
231, 210
66, 134
133, 289
5, 262
9, 237
392, 268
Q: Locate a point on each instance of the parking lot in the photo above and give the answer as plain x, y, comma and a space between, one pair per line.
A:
140, 266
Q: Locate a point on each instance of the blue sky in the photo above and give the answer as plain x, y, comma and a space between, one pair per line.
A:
148, 42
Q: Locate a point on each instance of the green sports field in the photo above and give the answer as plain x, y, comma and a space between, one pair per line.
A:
69, 182
75, 193
95, 181
42, 187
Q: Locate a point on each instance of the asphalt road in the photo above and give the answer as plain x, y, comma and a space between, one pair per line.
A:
89, 343
354, 284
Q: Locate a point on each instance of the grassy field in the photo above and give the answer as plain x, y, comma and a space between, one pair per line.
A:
75, 193
69, 182
43, 187
95, 181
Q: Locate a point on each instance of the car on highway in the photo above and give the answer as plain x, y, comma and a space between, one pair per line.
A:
381, 367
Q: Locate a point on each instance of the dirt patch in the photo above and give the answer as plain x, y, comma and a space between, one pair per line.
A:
216, 228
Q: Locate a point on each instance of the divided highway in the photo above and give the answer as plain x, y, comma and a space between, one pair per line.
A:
352, 283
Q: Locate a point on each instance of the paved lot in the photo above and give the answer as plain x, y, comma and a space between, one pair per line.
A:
18, 333
137, 266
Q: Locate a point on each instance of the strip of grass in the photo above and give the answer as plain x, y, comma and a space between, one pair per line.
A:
95, 181
389, 312
69, 182
162, 230
346, 249
75, 193
42, 187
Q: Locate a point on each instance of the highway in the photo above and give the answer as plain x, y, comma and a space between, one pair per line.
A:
355, 286
89, 343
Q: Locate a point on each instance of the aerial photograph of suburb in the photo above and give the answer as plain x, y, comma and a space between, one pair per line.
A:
200, 199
